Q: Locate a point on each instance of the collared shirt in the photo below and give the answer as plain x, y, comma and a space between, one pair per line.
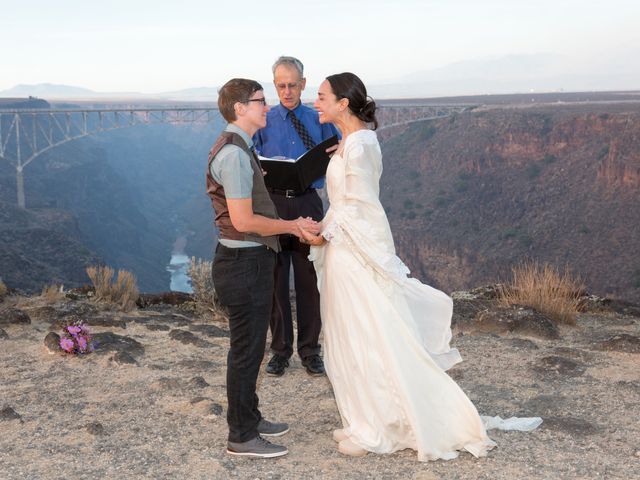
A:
231, 168
280, 138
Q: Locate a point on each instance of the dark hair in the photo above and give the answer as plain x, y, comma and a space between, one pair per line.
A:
234, 91
349, 86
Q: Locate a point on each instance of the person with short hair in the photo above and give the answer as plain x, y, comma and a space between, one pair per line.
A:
242, 269
292, 129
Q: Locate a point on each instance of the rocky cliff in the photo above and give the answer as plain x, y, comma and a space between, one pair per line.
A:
472, 195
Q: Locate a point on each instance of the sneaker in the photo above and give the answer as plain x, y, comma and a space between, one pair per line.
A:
272, 429
314, 365
276, 365
257, 447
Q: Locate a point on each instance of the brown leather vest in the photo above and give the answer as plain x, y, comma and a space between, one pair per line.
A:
261, 201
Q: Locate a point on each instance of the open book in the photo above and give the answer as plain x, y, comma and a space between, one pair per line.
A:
297, 174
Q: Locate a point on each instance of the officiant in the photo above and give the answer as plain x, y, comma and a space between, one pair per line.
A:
292, 129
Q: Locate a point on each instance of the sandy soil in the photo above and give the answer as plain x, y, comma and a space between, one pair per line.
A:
93, 416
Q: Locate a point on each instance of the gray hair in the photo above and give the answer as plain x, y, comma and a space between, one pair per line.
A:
290, 62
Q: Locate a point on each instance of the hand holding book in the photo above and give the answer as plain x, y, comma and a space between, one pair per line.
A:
297, 174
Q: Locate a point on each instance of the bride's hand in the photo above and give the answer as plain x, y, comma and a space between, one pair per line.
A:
311, 239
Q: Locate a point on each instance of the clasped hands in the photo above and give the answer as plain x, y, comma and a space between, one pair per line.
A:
308, 231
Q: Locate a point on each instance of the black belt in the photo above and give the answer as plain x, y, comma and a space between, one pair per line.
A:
289, 193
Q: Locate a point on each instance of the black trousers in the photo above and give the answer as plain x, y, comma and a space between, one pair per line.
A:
295, 254
243, 279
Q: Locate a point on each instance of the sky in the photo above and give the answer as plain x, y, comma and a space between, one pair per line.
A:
157, 46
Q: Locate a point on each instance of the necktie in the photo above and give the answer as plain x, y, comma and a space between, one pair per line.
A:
302, 131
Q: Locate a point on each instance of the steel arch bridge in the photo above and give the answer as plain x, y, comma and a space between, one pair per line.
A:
27, 133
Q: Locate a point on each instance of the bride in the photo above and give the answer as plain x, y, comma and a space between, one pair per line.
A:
386, 335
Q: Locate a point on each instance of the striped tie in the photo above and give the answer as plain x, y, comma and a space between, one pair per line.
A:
302, 131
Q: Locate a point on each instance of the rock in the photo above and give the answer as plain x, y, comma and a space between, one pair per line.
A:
560, 366
94, 428
8, 413
521, 343
106, 322
199, 364
123, 358
108, 342
3, 334
84, 291
198, 382
206, 405
155, 327
465, 312
210, 330
165, 298
542, 405
595, 304
52, 343
216, 409
14, 316
516, 320
575, 353
622, 342
487, 292
188, 338
570, 425
165, 383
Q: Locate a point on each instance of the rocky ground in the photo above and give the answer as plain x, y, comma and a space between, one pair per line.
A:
150, 401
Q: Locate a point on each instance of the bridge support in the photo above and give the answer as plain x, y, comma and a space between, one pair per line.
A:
20, 187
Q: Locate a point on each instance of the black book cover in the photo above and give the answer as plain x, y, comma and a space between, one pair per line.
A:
297, 174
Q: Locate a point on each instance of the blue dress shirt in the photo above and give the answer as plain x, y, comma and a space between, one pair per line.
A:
280, 138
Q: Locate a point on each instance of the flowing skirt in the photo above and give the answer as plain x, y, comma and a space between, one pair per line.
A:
386, 352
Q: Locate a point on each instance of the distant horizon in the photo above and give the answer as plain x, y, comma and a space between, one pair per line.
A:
93, 96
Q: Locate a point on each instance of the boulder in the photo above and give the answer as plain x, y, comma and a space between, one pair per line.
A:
554, 366
210, 330
110, 342
123, 358
8, 413
188, 338
52, 343
622, 342
513, 320
14, 316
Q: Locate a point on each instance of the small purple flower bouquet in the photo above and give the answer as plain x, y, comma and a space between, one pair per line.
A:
76, 338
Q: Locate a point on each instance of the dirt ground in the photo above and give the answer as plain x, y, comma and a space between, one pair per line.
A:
163, 416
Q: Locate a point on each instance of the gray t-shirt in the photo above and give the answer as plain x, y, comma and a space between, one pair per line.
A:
231, 168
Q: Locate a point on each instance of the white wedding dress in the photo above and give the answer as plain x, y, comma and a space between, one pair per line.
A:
386, 335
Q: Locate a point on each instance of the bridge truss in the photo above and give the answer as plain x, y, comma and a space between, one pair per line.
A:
26, 134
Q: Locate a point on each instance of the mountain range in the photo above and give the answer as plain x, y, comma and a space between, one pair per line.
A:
508, 74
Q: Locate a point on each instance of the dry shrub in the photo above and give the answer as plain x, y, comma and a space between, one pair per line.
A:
545, 289
3, 289
123, 292
204, 293
52, 293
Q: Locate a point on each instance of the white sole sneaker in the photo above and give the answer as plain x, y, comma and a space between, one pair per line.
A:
258, 455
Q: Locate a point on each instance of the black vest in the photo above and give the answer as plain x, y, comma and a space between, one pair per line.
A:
261, 201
